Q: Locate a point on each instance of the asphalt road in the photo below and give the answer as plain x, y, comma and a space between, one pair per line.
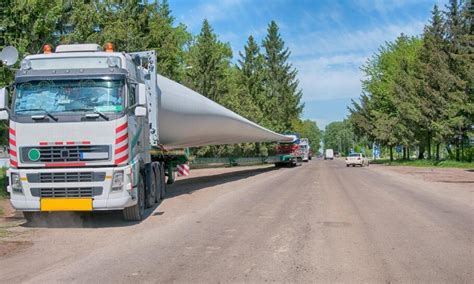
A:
321, 222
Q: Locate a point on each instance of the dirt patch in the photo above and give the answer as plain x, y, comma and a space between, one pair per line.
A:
8, 248
434, 174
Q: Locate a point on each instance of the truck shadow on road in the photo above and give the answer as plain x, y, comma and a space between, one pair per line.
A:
114, 218
190, 185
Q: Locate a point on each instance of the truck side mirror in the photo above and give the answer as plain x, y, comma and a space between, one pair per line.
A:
140, 109
141, 100
3, 104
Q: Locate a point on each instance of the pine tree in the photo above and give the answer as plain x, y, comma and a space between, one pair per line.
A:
283, 96
168, 41
461, 107
437, 81
208, 61
250, 66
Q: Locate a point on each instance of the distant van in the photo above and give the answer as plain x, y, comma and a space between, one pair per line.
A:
329, 154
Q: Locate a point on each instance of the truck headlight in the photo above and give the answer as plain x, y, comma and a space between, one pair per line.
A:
16, 183
117, 181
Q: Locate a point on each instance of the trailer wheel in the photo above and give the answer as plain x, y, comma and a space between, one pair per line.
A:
136, 212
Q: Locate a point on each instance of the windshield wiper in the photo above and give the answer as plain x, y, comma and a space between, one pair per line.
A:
36, 117
101, 114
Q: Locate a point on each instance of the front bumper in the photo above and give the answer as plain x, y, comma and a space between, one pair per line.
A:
106, 200
354, 162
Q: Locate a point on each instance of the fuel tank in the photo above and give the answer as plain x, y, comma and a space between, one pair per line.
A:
188, 119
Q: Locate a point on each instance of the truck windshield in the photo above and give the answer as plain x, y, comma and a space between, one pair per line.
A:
69, 96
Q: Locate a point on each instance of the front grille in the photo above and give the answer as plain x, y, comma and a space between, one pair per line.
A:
66, 177
67, 153
66, 192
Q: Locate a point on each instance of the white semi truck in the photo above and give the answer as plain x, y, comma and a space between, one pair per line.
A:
93, 129
305, 149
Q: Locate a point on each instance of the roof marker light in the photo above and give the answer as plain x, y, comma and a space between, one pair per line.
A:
47, 49
109, 47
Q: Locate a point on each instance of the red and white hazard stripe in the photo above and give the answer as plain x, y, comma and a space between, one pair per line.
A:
183, 169
60, 143
121, 144
12, 149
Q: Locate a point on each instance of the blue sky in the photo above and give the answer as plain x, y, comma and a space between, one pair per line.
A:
329, 39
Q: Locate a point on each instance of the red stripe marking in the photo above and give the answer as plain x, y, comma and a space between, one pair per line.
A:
12, 152
43, 143
121, 127
121, 138
121, 160
86, 142
70, 143
13, 163
121, 149
63, 165
12, 131
12, 142
58, 143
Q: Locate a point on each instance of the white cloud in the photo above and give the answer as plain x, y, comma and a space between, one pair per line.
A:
213, 11
328, 63
330, 84
385, 6
349, 40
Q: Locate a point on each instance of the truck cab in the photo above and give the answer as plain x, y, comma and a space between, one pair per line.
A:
80, 132
305, 149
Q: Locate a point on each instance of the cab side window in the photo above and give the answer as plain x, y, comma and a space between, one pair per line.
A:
132, 89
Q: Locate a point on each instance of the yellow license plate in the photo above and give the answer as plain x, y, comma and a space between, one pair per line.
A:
66, 204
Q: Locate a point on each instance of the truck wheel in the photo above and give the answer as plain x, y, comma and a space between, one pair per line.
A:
162, 183
136, 212
150, 185
31, 216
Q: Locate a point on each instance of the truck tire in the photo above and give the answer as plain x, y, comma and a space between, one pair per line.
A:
31, 216
136, 212
162, 183
150, 186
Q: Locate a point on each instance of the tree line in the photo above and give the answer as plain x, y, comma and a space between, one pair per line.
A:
418, 91
260, 84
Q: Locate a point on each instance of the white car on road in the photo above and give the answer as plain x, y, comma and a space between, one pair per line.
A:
356, 159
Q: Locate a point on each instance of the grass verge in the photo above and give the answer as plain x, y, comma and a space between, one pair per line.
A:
426, 163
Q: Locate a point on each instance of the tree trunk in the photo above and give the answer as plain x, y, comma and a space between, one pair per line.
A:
408, 153
391, 153
437, 151
429, 147
421, 152
404, 153
457, 153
